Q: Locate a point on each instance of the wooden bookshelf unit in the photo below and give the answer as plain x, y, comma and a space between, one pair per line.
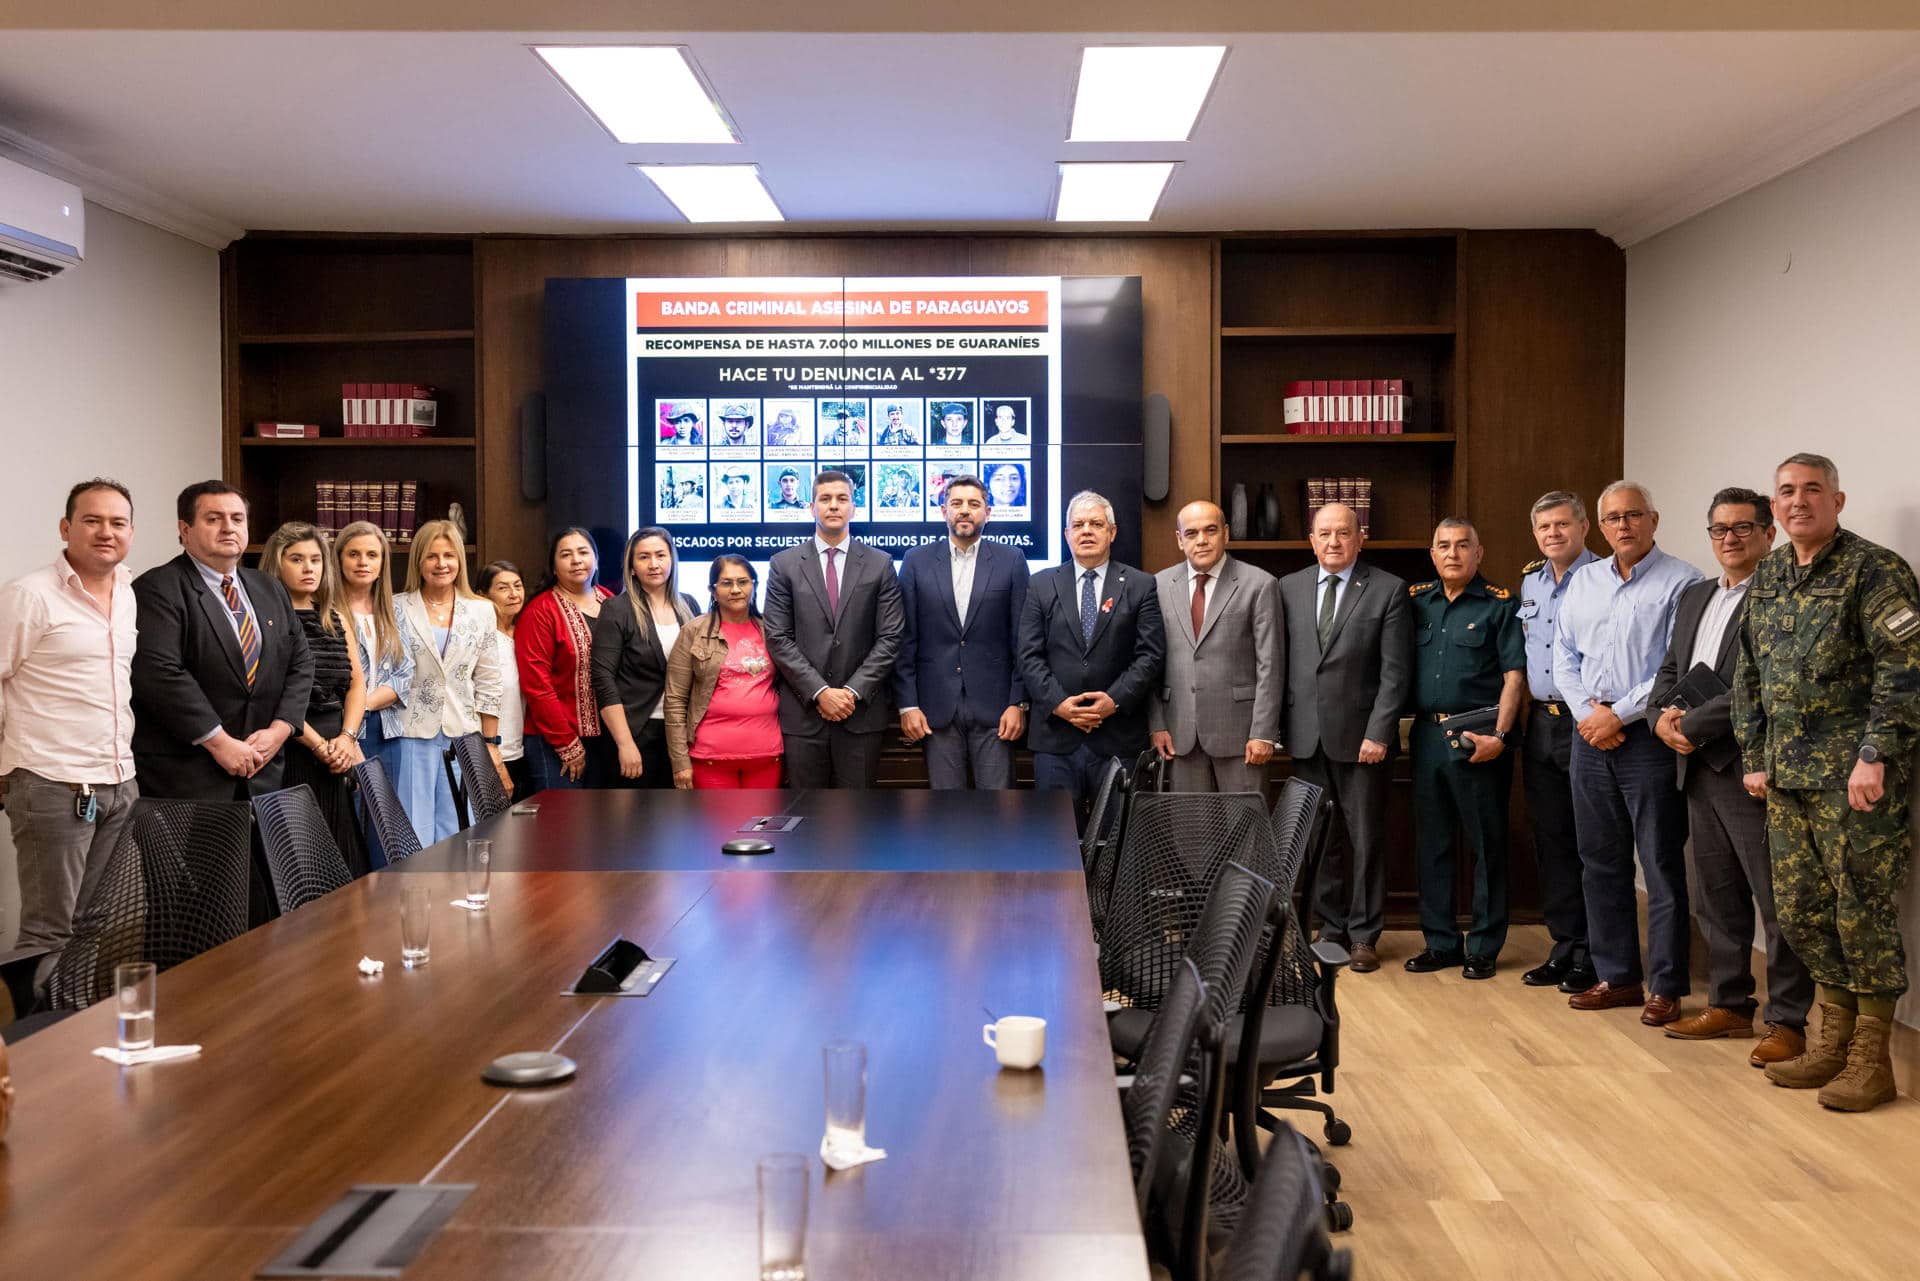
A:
306, 313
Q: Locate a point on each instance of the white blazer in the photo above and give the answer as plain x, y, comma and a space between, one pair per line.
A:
450, 692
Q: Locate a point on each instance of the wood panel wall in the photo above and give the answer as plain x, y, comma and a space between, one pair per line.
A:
1177, 283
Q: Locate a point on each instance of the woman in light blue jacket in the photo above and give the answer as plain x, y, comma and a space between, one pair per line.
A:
363, 555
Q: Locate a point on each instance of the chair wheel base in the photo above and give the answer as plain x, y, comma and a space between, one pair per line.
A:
1339, 1216
1338, 1132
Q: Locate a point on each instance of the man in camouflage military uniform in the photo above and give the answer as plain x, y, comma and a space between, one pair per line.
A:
1469, 653
1826, 703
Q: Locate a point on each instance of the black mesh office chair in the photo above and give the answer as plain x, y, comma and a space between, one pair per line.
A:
477, 794
1197, 1189
303, 861
1299, 816
1100, 842
174, 886
382, 819
1283, 1233
1171, 1043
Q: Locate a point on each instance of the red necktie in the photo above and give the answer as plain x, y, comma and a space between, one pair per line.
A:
1199, 603
833, 582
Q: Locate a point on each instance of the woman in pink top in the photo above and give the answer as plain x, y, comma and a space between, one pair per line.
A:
721, 705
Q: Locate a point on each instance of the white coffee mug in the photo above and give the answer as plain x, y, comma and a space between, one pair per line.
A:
1018, 1040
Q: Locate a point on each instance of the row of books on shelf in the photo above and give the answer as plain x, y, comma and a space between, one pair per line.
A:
393, 505
389, 411
1350, 491
1345, 407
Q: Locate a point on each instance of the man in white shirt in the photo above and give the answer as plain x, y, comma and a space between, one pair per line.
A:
957, 678
1732, 866
66, 720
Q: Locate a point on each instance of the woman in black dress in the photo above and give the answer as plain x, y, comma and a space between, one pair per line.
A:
631, 640
327, 744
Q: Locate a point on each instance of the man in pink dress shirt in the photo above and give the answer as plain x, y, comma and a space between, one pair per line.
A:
66, 721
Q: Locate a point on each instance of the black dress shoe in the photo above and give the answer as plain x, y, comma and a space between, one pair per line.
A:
1429, 961
1579, 978
1479, 967
1548, 974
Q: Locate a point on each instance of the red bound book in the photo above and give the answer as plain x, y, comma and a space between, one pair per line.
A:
346, 405
420, 409
409, 510
1347, 492
1293, 406
1370, 406
1396, 406
1365, 486
1357, 406
1315, 499
1337, 407
390, 508
1317, 409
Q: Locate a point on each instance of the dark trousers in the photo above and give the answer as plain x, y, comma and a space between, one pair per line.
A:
1077, 772
1449, 794
1622, 799
964, 741
656, 768
833, 757
543, 764
1548, 753
1352, 882
1732, 873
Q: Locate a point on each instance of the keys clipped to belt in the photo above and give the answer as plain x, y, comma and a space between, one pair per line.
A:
86, 806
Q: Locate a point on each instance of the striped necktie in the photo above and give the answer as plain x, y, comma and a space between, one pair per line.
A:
249, 638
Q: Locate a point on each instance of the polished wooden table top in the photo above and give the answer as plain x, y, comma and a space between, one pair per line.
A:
313, 1079
628, 830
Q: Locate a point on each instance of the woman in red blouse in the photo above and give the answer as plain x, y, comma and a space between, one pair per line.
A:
553, 643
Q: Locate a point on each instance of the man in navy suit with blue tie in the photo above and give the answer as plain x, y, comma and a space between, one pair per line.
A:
957, 677
1091, 648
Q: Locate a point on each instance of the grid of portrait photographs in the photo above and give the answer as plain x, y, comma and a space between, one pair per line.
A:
752, 461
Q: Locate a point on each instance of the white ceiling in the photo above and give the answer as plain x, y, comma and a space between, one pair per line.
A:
467, 131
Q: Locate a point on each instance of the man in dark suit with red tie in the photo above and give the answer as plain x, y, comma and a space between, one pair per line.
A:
833, 624
957, 677
221, 672
1091, 648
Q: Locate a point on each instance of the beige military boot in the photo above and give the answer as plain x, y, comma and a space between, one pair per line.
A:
1825, 1056
1867, 1080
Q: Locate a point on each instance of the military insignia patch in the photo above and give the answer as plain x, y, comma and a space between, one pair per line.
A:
1498, 593
1900, 622
1417, 588
1532, 565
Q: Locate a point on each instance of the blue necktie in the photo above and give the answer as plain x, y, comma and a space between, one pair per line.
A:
1088, 608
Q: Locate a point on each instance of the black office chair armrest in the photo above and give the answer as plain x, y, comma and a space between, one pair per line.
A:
1330, 956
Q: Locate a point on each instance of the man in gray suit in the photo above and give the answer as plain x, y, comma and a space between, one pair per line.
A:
1349, 671
1216, 716
833, 621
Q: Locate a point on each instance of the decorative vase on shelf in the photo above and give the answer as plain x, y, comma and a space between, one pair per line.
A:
1237, 512
1268, 523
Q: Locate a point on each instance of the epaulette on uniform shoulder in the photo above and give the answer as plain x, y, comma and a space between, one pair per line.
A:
1416, 588
1532, 566
1498, 592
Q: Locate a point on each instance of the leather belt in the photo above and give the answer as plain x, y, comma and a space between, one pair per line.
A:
1553, 706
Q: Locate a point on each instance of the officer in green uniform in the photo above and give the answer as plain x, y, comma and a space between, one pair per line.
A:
1826, 704
1469, 653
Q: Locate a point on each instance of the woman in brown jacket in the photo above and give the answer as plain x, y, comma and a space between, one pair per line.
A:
722, 703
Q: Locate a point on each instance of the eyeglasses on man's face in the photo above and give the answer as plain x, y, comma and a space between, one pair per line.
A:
1616, 519
1741, 529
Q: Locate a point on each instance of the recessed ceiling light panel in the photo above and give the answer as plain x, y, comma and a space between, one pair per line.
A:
1139, 93
1119, 191
715, 193
641, 93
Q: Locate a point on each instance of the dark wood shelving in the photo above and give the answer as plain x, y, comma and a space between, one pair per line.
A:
1372, 438
1335, 331
355, 442
348, 338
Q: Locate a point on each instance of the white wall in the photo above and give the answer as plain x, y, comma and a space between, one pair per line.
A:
1787, 319
112, 368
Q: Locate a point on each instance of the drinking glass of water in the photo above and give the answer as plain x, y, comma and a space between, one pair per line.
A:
783, 1217
135, 987
479, 872
846, 1064
416, 920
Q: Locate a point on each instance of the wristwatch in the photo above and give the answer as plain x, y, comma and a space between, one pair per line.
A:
1501, 734
1869, 754
492, 739
1025, 707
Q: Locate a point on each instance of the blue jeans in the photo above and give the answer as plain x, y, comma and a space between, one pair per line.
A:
1622, 799
543, 764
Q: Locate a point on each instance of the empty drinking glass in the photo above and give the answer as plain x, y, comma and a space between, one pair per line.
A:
135, 987
479, 872
846, 1067
783, 1217
416, 922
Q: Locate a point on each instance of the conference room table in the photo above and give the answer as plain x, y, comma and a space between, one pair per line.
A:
899, 919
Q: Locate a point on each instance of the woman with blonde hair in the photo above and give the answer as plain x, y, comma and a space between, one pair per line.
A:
297, 555
456, 677
631, 640
362, 556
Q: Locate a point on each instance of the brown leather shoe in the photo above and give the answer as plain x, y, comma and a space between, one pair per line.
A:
1365, 959
1777, 1046
1604, 996
1710, 1024
1659, 1010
